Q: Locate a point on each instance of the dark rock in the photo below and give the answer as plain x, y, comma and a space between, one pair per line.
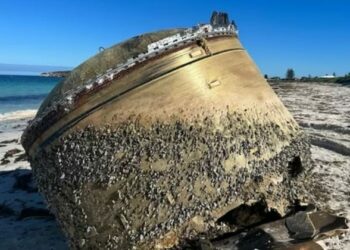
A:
300, 226
4, 161
324, 222
11, 153
21, 157
9, 141
255, 239
293, 233
205, 245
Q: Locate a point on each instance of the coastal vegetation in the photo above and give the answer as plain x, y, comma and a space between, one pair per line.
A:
344, 80
62, 74
290, 76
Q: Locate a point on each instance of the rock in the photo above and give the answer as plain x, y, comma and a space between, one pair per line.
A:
324, 222
300, 226
9, 141
56, 74
298, 231
4, 161
305, 225
205, 245
11, 152
21, 157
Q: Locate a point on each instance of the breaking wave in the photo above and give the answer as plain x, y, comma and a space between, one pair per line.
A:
20, 114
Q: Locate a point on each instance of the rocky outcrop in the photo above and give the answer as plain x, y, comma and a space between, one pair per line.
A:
62, 74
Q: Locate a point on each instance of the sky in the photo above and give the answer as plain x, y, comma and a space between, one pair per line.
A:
310, 36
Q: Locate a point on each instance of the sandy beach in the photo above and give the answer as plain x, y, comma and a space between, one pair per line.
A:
321, 109
25, 221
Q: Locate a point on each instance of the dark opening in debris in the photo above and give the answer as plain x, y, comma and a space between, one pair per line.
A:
298, 207
249, 216
295, 167
256, 239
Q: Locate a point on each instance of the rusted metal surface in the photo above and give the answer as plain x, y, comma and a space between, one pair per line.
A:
159, 154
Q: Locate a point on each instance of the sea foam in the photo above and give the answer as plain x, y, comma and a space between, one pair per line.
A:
19, 114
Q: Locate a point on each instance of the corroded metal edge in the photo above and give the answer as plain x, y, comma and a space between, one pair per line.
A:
142, 73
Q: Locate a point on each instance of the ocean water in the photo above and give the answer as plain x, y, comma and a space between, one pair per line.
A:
20, 95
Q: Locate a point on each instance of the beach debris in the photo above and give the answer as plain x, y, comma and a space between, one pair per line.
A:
151, 157
298, 231
21, 157
10, 153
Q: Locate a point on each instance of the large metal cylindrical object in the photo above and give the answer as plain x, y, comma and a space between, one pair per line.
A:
158, 155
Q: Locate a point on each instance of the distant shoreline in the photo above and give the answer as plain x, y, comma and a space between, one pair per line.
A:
25, 75
62, 74
28, 70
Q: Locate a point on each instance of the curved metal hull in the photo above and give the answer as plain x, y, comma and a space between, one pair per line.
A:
161, 153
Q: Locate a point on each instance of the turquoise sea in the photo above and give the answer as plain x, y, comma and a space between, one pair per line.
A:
20, 93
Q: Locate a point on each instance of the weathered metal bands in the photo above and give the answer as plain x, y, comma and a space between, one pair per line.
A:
71, 123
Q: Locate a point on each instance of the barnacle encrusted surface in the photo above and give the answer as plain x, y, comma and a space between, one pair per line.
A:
158, 155
125, 185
